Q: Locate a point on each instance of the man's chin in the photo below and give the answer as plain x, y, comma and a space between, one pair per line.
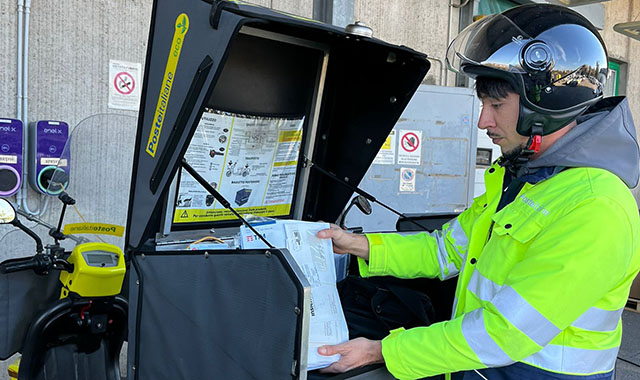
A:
512, 153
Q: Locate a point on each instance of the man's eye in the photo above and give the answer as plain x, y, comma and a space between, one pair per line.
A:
496, 105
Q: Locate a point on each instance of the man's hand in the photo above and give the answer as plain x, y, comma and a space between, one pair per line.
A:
345, 242
354, 354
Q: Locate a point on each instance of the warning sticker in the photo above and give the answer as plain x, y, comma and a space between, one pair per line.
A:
407, 179
410, 151
124, 85
387, 153
252, 161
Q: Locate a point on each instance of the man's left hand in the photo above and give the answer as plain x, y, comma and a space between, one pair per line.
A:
354, 354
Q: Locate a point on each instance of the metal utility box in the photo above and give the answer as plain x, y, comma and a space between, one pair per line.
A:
252, 99
427, 164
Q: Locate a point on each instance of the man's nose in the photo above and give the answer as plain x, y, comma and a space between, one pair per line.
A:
486, 119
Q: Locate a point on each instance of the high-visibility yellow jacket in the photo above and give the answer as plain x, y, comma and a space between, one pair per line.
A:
541, 282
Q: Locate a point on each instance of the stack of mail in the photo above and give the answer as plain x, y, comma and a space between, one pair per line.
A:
315, 258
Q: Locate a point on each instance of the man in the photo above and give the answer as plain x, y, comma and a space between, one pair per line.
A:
545, 258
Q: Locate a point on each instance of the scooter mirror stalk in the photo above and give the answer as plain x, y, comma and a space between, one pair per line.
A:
363, 204
56, 233
8, 216
7, 212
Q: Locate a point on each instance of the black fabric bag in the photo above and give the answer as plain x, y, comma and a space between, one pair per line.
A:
374, 306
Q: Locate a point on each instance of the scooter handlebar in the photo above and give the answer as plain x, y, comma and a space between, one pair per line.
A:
39, 263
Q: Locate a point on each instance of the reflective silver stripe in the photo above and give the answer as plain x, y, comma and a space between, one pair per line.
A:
459, 243
524, 316
596, 319
476, 335
453, 309
459, 237
447, 268
574, 360
482, 287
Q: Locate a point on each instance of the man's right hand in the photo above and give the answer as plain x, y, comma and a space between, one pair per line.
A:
345, 242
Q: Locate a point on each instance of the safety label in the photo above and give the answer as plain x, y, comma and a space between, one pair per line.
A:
124, 85
410, 151
407, 179
251, 161
387, 153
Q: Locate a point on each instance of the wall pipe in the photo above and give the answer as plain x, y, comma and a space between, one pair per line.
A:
443, 72
19, 89
25, 103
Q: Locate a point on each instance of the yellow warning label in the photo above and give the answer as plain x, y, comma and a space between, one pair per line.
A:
93, 228
290, 136
181, 28
387, 143
210, 215
285, 163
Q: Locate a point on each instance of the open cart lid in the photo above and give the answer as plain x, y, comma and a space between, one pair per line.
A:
236, 59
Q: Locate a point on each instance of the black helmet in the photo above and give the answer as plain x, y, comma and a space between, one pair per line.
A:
553, 57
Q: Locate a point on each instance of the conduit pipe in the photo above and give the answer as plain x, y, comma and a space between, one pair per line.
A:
443, 71
24, 10
19, 89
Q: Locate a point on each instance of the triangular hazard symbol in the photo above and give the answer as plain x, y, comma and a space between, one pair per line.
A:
184, 214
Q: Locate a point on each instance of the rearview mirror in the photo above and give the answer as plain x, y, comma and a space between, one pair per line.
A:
7, 212
363, 204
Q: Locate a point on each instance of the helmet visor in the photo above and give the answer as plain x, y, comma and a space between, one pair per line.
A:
494, 42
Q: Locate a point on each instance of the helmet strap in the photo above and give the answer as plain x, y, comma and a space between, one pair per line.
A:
532, 147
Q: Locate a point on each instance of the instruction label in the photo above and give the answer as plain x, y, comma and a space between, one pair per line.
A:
407, 179
410, 150
124, 85
387, 153
251, 161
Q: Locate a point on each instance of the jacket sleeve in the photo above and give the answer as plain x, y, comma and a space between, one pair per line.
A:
567, 268
436, 254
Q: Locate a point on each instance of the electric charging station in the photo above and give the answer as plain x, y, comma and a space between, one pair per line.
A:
47, 139
11, 149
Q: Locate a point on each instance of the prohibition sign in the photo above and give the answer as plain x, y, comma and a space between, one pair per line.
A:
410, 142
124, 83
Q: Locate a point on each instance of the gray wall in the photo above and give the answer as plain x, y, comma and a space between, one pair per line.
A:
625, 49
423, 25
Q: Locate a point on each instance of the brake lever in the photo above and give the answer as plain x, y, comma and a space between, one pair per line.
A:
61, 264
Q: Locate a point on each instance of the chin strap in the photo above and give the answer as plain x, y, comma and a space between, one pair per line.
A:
532, 147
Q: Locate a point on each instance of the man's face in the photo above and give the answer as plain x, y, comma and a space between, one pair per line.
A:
499, 117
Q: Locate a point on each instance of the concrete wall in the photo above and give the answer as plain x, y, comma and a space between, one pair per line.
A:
422, 25
625, 49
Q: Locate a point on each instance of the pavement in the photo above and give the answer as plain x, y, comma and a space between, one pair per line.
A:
628, 363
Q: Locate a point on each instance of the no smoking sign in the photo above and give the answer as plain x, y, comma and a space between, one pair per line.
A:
124, 83
124, 88
410, 142
410, 152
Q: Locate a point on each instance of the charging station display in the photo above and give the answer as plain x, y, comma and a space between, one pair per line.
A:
252, 161
47, 140
10, 156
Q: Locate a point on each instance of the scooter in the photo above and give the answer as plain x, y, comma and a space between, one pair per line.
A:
66, 313
81, 334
